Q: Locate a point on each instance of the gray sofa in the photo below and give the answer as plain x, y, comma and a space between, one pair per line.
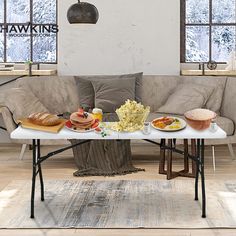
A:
59, 94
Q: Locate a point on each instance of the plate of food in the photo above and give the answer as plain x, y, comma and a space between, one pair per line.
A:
168, 123
82, 122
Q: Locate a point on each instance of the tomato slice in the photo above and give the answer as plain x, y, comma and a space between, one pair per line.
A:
98, 129
68, 124
94, 125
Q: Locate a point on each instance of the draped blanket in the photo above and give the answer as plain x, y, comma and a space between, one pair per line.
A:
103, 157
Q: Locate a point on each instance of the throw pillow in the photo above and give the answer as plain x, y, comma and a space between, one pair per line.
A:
22, 103
215, 100
111, 94
86, 92
186, 97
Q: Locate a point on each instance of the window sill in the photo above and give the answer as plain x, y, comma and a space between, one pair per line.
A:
208, 72
25, 72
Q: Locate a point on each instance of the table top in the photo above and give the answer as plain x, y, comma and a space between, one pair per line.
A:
187, 133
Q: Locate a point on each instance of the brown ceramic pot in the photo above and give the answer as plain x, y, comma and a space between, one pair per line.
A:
200, 124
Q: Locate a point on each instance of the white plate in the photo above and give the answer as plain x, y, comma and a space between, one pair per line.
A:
81, 130
183, 124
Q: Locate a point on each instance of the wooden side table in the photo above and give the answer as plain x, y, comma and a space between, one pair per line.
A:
167, 160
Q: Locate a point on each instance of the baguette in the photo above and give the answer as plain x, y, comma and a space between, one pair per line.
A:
44, 119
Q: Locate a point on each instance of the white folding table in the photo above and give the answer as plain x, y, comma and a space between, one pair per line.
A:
187, 133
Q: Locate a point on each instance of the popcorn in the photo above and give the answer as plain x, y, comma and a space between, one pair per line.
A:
132, 116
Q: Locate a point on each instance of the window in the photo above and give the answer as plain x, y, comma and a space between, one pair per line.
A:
208, 30
28, 31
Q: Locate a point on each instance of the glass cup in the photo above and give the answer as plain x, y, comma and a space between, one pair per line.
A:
97, 114
146, 128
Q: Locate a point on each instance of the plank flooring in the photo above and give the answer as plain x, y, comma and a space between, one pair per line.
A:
145, 156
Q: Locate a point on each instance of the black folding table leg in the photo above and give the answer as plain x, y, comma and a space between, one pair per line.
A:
197, 170
203, 179
34, 173
40, 170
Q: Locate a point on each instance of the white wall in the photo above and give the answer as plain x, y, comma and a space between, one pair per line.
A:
130, 36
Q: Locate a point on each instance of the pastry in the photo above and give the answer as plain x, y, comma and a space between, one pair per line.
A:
82, 120
44, 119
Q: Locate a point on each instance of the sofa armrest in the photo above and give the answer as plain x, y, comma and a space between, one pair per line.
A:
8, 119
228, 108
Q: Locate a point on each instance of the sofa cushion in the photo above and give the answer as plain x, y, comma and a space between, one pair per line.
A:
22, 103
226, 124
86, 91
111, 94
57, 93
228, 108
157, 88
215, 100
186, 97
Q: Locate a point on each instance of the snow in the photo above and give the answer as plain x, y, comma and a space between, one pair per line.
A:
44, 48
197, 11
197, 41
1, 48
223, 42
18, 48
1, 11
197, 37
223, 11
18, 11
44, 11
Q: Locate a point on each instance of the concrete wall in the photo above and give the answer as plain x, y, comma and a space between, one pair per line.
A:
130, 36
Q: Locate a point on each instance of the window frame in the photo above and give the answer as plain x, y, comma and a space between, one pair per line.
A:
183, 26
5, 24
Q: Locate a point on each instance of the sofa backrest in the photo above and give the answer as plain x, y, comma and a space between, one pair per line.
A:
60, 93
228, 108
157, 89
57, 93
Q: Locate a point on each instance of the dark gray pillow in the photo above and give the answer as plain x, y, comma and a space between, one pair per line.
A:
111, 94
86, 91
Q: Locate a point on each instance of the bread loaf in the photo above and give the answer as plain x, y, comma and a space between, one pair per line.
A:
44, 119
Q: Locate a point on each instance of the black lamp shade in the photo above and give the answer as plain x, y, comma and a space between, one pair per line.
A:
82, 13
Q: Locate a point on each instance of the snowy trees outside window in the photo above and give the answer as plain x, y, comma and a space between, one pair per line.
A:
208, 30
26, 31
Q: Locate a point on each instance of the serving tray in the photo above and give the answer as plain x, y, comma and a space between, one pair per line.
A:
25, 123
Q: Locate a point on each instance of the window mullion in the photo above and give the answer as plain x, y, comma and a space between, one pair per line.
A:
5, 33
210, 30
31, 36
183, 31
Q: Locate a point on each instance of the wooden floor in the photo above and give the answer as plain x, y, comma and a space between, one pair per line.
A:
145, 156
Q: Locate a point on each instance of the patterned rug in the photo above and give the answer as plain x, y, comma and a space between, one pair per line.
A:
118, 204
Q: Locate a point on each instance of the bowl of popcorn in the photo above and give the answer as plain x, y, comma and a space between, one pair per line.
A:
199, 119
132, 116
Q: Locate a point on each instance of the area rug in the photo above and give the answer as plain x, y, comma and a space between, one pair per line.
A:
118, 204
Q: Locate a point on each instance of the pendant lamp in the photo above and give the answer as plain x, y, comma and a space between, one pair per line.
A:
82, 13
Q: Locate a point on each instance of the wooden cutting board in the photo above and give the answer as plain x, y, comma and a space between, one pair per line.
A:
25, 123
